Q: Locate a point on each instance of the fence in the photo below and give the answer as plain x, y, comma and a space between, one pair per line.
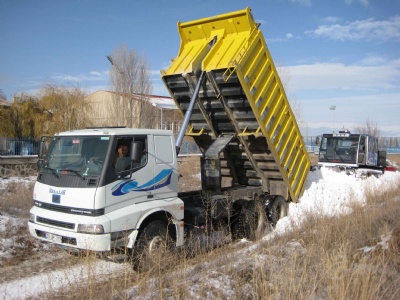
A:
29, 146
19, 146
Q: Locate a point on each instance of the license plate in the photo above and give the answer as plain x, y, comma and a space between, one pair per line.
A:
52, 237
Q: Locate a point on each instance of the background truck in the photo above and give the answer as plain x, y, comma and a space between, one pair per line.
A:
253, 159
354, 153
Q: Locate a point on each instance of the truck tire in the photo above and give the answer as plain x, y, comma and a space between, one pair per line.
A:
252, 221
153, 248
277, 209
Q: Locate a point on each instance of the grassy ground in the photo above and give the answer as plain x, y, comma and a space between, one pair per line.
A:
354, 256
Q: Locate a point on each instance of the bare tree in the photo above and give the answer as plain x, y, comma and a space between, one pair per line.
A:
19, 119
63, 109
369, 127
130, 82
2, 95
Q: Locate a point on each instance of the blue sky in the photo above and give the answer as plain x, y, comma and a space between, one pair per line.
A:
329, 52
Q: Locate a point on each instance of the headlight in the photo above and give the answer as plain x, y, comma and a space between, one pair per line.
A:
32, 218
90, 228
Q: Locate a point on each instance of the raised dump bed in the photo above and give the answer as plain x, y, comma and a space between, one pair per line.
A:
241, 116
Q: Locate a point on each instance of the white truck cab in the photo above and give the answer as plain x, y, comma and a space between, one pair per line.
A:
88, 197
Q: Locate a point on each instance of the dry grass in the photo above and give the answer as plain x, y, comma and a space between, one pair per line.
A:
326, 258
16, 199
334, 266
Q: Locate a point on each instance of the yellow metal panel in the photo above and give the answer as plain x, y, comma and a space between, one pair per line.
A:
278, 105
232, 30
255, 51
221, 55
189, 58
284, 124
285, 142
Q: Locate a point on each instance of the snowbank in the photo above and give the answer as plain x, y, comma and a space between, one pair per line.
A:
329, 193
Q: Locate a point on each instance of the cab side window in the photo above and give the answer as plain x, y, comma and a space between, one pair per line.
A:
122, 161
144, 154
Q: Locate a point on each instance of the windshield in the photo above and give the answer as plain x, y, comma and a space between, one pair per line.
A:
339, 149
79, 155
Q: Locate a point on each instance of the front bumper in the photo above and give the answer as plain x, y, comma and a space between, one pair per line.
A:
94, 242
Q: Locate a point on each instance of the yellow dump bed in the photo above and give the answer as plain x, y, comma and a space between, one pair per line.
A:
242, 96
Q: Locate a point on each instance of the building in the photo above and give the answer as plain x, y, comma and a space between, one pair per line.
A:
107, 108
4, 103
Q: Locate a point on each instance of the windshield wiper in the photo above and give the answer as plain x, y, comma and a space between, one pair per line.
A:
73, 171
52, 171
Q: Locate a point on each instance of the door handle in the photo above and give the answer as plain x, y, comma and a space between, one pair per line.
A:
150, 196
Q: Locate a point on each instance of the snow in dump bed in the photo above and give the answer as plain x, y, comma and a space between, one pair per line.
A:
327, 193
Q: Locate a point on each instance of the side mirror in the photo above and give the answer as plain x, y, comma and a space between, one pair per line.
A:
42, 150
136, 151
44, 144
39, 163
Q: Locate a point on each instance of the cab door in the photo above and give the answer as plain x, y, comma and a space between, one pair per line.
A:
129, 189
165, 173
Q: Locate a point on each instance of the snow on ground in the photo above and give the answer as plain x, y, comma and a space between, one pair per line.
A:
9, 245
7, 221
52, 281
5, 181
327, 193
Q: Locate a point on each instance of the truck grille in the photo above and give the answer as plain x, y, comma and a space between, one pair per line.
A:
55, 223
70, 210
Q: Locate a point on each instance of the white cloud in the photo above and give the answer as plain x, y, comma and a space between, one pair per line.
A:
81, 78
363, 2
95, 73
302, 2
369, 29
289, 36
331, 20
353, 111
373, 60
341, 77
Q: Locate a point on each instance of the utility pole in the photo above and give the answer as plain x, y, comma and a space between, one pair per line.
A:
333, 108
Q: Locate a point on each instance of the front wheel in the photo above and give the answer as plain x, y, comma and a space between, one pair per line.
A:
153, 248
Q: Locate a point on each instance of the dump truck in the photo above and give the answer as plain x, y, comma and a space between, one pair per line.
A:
355, 154
253, 161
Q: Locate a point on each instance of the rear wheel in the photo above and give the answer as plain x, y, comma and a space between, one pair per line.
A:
278, 209
153, 248
252, 221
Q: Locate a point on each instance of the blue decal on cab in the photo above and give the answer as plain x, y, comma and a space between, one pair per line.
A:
162, 179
